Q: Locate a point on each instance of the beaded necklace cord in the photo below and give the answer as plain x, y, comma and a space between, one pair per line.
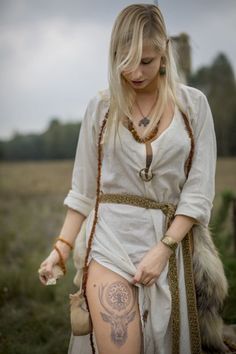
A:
136, 136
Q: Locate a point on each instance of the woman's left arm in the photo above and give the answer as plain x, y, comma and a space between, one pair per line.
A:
196, 198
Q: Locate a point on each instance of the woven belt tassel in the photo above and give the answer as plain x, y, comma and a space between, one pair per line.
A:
174, 289
191, 296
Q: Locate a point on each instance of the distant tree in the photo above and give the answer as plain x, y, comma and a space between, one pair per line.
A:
57, 142
232, 128
70, 139
1, 150
52, 140
218, 83
23, 147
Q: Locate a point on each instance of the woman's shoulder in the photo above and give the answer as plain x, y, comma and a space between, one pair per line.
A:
192, 100
100, 99
98, 106
189, 94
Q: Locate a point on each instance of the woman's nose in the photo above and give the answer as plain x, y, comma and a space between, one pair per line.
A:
137, 74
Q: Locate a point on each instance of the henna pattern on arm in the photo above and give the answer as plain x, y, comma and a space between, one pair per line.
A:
115, 299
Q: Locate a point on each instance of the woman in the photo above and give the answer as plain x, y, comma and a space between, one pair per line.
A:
149, 202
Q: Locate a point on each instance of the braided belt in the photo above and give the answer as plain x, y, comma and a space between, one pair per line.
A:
168, 210
136, 200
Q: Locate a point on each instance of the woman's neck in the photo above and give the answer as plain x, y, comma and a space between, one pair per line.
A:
147, 96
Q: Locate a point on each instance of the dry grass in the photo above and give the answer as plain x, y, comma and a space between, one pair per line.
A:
35, 178
35, 319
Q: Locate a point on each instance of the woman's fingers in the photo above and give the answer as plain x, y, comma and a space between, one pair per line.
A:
45, 271
137, 276
144, 278
46, 268
43, 279
147, 280
150, 283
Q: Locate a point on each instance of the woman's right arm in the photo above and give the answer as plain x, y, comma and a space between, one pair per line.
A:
70, 229
81, 198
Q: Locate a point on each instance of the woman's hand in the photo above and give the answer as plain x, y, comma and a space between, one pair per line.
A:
46, 267
152, 264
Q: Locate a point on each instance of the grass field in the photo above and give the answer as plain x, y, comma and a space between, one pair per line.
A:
35, 319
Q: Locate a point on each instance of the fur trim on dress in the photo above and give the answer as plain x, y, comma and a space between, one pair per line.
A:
211, 290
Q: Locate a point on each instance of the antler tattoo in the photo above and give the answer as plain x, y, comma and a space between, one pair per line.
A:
118, 296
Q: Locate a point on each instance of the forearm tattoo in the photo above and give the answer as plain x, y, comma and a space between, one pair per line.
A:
118, 300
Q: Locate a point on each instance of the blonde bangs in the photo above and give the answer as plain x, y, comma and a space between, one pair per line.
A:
129, 53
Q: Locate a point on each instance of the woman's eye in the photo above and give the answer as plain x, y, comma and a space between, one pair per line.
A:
146, 62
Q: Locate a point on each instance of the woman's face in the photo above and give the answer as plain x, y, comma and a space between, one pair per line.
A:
144, 78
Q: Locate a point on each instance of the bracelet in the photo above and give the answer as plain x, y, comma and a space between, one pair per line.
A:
169, 242
61, 260
66, 242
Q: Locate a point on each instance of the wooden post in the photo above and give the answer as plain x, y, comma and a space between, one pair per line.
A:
234, 224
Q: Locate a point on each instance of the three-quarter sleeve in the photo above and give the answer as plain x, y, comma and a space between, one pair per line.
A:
196, 198
81, 196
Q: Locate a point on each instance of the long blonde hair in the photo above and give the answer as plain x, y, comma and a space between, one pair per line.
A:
135, 24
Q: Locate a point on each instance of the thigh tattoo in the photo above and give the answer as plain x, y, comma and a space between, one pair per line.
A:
118, 300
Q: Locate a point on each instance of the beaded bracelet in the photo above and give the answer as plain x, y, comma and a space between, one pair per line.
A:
61, 260
66, 242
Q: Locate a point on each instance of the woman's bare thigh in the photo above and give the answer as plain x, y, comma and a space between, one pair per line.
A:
114, 310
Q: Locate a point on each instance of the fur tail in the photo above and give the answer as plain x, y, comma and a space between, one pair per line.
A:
211, 290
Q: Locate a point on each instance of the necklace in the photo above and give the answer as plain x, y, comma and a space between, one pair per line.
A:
137, 137
145, 120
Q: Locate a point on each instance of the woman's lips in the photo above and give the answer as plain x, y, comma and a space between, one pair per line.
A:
138, 82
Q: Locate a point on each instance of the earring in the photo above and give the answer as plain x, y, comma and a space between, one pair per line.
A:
162, 70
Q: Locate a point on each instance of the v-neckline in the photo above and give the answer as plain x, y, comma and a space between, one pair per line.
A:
163, 133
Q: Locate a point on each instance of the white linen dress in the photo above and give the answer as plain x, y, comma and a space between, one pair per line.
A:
124, 233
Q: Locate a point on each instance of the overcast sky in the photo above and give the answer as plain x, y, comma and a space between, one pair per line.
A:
53, 53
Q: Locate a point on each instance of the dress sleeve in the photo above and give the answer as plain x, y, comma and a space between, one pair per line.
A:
196, 199
81, 196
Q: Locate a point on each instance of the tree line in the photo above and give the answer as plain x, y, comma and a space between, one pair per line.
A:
218, 83
59, 140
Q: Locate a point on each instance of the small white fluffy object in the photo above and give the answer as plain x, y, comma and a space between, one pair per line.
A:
57, 273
